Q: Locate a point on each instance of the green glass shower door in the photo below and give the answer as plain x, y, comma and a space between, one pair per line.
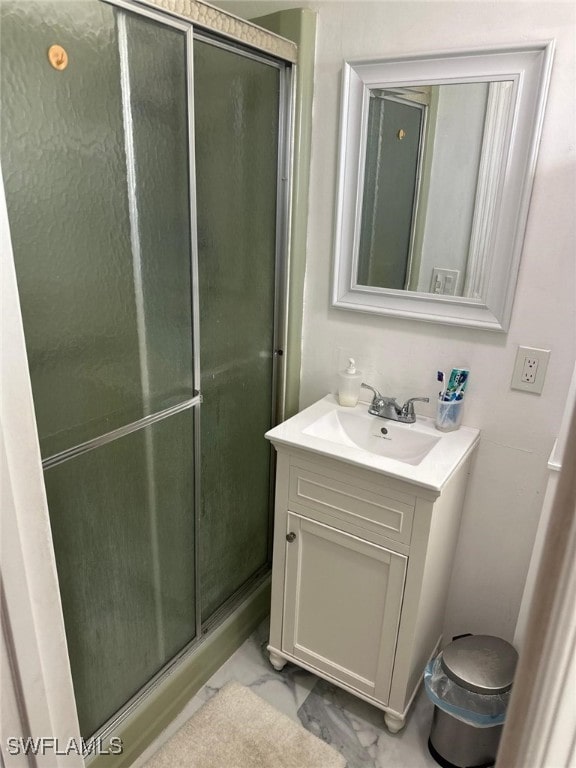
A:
142, 189
236, 106
96, 169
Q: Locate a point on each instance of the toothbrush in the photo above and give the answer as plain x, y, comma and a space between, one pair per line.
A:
442, 379
459, 394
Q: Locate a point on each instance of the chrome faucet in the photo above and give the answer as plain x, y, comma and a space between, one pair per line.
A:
388, 408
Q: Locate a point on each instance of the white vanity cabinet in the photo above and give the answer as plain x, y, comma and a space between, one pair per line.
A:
360, 574
342, 601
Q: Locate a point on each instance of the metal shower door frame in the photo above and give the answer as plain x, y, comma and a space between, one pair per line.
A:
32, 610
282, 245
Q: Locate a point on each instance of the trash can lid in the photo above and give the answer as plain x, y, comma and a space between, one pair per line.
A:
480, 663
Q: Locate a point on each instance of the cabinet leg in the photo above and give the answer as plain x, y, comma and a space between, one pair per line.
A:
394, 723
277, 661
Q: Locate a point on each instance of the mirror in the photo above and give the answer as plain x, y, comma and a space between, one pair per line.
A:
437, 157
430, 150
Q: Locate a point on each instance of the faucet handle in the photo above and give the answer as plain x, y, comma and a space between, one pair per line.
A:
377, 395
378, 401
408, 407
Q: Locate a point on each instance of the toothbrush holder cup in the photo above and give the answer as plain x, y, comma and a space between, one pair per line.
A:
449, 414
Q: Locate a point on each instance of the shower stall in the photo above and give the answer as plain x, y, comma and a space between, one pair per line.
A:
145, 164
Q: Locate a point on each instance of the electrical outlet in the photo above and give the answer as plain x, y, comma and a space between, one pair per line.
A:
530, 369
444, 281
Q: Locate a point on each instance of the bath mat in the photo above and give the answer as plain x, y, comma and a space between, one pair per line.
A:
238, 729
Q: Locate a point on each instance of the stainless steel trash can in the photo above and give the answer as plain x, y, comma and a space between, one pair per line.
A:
479, 667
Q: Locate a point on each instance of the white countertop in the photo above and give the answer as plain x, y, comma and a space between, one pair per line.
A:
432, 472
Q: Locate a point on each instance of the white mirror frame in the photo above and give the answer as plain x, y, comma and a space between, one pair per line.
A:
528, 67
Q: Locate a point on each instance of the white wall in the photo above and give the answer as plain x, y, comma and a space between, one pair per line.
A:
401, 357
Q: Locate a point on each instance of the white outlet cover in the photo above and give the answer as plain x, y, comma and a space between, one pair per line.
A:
444, 281
542, 355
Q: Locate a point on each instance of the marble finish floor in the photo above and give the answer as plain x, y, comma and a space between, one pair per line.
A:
353, 727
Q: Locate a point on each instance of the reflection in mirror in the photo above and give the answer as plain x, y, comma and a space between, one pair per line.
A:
429, 149
437, 158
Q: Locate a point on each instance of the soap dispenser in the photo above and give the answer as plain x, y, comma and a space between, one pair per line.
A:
349, 382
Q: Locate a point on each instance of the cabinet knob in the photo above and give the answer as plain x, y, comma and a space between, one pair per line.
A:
290, 537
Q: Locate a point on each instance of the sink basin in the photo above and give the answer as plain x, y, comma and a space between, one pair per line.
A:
402, 442
417, 453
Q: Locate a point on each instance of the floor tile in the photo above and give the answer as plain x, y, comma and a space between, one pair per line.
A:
353, 727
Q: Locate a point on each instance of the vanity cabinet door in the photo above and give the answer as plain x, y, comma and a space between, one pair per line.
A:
342, 603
